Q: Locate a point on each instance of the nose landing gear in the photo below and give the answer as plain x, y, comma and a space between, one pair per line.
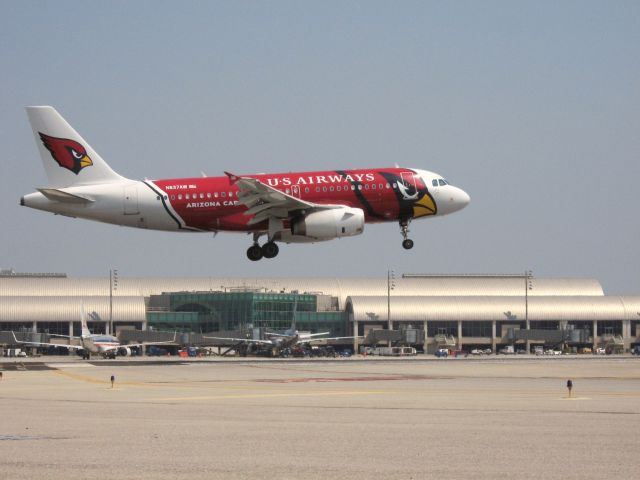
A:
407, 243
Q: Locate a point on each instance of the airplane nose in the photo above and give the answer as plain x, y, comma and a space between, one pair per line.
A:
454, 200
463, 199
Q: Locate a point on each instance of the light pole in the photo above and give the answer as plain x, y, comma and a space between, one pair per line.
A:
390, 286
528, 285
113, 285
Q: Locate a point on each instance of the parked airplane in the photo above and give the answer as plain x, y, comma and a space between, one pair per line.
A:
107, 346
279, 341
297, 207
288, 339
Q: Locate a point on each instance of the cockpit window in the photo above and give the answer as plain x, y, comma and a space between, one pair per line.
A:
434, 182
443, 182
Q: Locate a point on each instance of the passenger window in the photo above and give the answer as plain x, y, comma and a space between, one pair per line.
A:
223, 194
173, 197
306, 190
324, 189
339, 188
187, 196
388, 186
373, 186
331, 189
180, 197
202, 195
208, 194
215, 194
359, 187
317, 189
366, 186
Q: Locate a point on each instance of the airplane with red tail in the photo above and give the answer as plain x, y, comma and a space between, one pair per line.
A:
296, 207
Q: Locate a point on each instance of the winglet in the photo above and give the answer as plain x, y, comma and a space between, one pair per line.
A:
232, 178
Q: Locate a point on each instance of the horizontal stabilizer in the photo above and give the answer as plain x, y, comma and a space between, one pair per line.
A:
58, 195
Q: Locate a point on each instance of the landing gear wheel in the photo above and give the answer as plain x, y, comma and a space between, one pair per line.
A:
270, 250
254, 253
407, 243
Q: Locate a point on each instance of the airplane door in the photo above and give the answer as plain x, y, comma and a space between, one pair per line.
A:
295, 191
131, 200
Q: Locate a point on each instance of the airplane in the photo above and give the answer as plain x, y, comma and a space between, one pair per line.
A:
288, 339
296, 207
280, 341
107, 346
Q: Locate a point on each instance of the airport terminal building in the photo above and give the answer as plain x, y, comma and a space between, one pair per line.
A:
458, 312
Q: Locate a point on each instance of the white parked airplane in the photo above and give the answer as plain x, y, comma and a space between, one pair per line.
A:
279, 341
288, 339
107, 346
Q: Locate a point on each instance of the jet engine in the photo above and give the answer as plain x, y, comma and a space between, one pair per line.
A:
328, 224
124, 351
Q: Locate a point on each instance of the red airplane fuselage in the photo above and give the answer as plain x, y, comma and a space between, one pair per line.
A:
390, 194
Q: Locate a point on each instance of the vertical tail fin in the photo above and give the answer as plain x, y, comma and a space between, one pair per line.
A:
83, 322
68, 159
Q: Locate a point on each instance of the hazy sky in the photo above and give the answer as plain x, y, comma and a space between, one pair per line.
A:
533, 108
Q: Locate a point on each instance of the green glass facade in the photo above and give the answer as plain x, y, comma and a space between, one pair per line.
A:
174, 321
224, 311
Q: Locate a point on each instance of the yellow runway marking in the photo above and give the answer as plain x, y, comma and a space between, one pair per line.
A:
82, 378
270, 395
152, 384
107, 381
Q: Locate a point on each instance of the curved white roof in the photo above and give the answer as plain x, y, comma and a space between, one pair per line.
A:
338, 287
68, 308
26, 299
419, 309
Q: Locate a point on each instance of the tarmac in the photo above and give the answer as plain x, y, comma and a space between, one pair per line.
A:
479, 418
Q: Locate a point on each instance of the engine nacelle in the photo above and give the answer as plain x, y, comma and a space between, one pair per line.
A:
124, 351
328, 224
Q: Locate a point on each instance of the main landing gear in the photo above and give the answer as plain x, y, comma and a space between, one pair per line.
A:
407, 243
255, 252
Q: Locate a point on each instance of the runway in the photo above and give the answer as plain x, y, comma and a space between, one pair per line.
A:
480, 419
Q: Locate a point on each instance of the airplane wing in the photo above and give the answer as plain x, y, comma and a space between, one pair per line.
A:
302, 336
311, 335
143, 344
311, 340
265, 202
43, 344
246, 340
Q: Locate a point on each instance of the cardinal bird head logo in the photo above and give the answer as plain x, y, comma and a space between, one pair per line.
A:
68, 153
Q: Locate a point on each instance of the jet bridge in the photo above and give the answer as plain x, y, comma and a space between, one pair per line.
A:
550, 337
